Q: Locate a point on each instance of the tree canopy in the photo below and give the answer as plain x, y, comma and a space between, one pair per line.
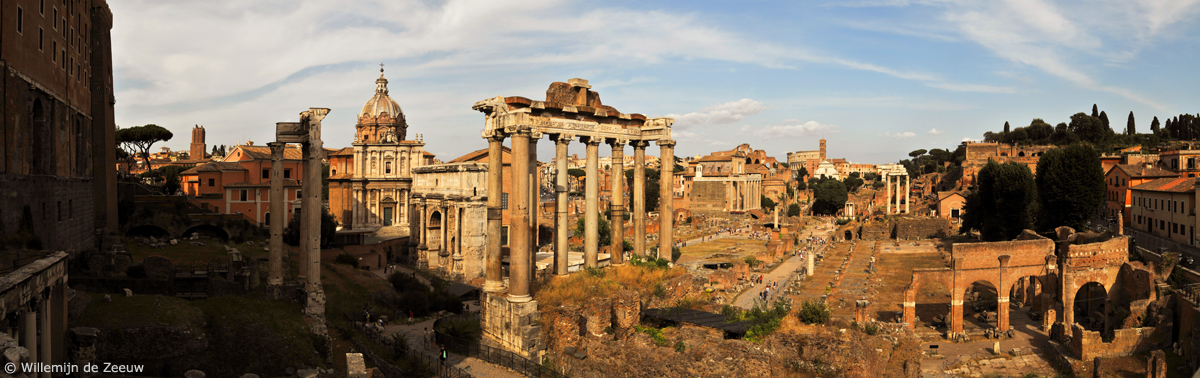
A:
1003, 203
766, 203
291, 234
603, 229
828, 195
141, 138
1070, 183
1130, 126
652, 187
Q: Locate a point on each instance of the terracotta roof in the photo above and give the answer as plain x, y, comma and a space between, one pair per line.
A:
264, 152
287, 183
477, 155
348, 151
1177, 184
715, 157
427, 153
341, 176
216, 166
945, 195
1140, 171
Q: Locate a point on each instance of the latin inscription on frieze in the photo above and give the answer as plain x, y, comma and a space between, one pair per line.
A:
566, 124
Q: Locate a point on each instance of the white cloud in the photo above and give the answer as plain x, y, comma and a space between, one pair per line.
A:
901, 135
722, 114
794, 129
972, 88
935, 131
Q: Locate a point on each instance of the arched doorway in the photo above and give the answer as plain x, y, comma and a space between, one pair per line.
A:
1090, 306
932, 306
1025, 304
980, 304
849, 235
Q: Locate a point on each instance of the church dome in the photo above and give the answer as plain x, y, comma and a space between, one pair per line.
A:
381, 103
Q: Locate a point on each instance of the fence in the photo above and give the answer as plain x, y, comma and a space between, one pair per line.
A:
495, 356
429, 362
1155, 243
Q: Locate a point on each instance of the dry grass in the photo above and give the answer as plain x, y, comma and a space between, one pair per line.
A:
581, 286
702, 251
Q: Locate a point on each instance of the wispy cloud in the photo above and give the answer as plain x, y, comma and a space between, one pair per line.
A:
935, 131
794, 129
721, 114
900, 135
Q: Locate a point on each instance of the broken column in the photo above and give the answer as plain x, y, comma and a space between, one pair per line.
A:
310, 228
278, 218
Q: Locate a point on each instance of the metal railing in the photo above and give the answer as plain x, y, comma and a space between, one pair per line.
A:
495, 356
430, 362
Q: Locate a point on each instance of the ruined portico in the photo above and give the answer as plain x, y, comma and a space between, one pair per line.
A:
571, 111
307, 133
33, 312
893, 176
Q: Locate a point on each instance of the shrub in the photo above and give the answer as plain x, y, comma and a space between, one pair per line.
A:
399, 345
654, 333
812, 312
346, 258
680, 346
871, 329
675, 253
660, 291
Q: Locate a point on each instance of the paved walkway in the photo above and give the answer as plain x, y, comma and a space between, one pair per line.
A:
979, 358
749, 297
471, 365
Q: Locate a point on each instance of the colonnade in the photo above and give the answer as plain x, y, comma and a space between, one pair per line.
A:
524, 201
887, 184
307, 133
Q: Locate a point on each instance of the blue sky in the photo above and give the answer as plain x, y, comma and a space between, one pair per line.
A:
876, 78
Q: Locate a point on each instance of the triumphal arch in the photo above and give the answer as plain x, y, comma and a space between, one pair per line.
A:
570, 112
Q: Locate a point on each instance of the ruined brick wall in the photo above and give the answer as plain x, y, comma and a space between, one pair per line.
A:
62, 209
907, 229
708, 196
1089, 344
986, 255
876, 231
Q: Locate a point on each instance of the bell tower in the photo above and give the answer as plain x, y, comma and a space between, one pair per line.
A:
197, 149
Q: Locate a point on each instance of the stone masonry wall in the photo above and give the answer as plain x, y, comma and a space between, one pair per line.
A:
1089, 344
708, 196
62, 210
876, 231
907, 229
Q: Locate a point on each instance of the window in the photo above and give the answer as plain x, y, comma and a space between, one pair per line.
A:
266, 173
298, 195
42, 7
20, 19
242, 195
504, 234
333, 172
53, 51
63, 61
41, 39
55, 20
287, 173
267, 217
212, 182
387, 168
504, 201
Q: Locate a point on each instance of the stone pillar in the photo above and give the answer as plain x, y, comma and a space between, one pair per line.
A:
444, 243
535, 194
278, 215
810, 259
617, 204
519, 253
31, 329
494, 268
910, 314
1002, 313
639, 197
310, 213
907, 190
591, 216
666, 206
956, 312
887, 184
561, 251
46, 347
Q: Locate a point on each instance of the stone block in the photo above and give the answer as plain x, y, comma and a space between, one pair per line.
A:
627, 309
356, 367
598, 316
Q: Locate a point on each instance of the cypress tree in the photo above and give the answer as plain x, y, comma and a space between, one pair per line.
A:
1130, 127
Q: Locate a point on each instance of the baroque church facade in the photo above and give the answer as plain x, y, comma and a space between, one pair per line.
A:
370, 183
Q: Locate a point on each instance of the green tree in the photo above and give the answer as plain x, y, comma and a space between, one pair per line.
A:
1070, 183
766, 203
141, 138
1095, 111
793, 210
1130, 127
1005, 126
652, 187
1003, 203
168, 176
1089, 129
291, 234
852, 183
1104, 119
802, 173
603, 229
1154, 125
829, 195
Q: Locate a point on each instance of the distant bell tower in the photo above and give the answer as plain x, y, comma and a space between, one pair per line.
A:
822, 150
197, 150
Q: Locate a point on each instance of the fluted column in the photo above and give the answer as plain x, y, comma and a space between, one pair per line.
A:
311, 213
639, 197
617, 203
277, 215
561, 227
519, 253
591, 216
666, 206
31, 323
47, 329
495, 277
907, 190
887, 184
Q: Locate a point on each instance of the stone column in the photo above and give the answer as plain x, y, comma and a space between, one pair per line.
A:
887, 184
278, 217
1002, 313
956, 312
519, 253
639, 197
591, 216
535, 195
910, 314
47, 329
666, 206
907, 190
617, 204
561, 227
444, 244
31, 329
310, 206
494, 271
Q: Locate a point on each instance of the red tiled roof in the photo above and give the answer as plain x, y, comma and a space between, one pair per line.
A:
1141, 171
1177, 184
287, 183
216, 166
477, 155
348, 151
264, 152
